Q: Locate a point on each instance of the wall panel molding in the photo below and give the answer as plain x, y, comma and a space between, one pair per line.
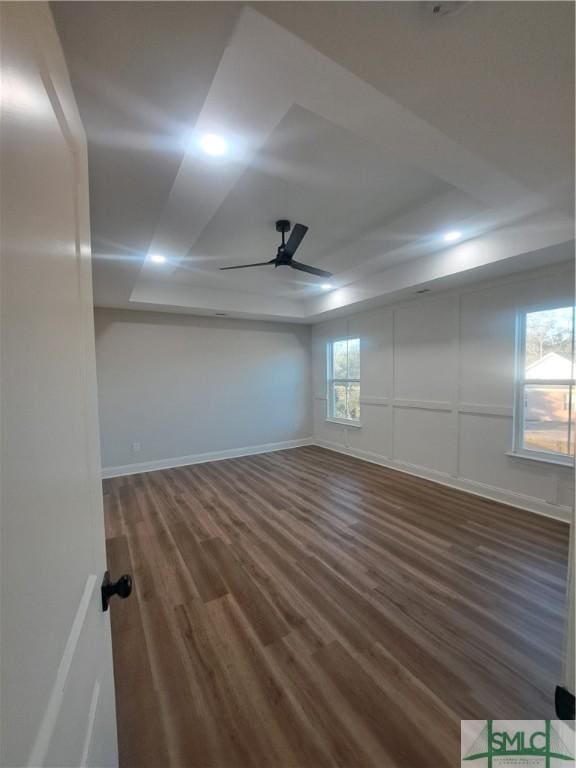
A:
528, 503
374, 400
481, 409
423, 405
440, 369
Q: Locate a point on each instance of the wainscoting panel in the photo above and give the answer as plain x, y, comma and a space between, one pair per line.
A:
424, 438
437, 389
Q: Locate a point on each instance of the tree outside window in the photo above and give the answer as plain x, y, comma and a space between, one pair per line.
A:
344, 380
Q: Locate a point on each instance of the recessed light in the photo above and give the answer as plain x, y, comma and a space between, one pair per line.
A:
213, 144
453, 235
157, 258
326, 286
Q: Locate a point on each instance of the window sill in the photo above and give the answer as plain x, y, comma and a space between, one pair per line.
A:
543, 459
345, 423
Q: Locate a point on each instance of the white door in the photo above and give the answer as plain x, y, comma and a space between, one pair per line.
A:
57, 691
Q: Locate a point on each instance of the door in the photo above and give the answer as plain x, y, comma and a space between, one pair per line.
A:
569, 662
57, 693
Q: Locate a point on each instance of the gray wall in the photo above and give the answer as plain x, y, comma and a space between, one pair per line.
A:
184, 386
437, 389
436, 395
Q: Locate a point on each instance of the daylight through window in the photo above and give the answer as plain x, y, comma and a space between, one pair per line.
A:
344, 380
544, 413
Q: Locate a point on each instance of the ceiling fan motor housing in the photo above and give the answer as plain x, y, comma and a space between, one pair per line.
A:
283, 226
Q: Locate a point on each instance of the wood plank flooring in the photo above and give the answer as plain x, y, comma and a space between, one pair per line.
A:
305, 609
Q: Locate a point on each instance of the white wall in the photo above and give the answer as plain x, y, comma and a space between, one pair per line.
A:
185, 386
437, 388
437, 376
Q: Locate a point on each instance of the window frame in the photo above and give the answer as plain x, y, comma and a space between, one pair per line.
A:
331, 382
520, 382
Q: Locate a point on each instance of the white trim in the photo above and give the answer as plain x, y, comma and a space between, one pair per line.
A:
543, 458
392, 381
201, 458
519, 354
456, 363
374, 400
569, 654
549, 382
46, 729
482, 409
344, 422
528, 503
90, 727
424, 405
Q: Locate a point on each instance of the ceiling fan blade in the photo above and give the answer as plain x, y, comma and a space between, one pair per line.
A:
298, 232
244, 266
311, 270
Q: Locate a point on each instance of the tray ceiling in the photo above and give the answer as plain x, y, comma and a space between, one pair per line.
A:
313, 136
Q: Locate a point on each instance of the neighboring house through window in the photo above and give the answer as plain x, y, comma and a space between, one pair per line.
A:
544, 402
344, 380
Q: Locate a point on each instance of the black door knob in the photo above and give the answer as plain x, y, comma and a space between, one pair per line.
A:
122, 588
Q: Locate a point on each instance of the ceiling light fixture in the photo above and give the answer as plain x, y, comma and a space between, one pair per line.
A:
453, 235
213, 145
326, 286
157, 258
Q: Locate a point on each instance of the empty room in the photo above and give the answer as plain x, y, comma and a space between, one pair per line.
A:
287, 384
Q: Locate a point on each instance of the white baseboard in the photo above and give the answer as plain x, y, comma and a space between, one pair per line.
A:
529, 503
201, 458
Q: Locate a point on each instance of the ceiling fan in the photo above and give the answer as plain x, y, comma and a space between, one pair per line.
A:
284, 255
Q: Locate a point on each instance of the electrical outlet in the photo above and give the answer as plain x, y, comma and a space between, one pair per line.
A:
136, 447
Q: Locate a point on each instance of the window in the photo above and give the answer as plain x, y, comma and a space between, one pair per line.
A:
544, 403
344, 380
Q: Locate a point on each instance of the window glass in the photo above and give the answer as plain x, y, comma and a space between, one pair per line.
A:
340, 409
354, 359
544, 417
353, 401
340, 360
344, 379
549, 344
547, 418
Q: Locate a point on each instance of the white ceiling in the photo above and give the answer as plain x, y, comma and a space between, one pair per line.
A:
375, 124
311, 171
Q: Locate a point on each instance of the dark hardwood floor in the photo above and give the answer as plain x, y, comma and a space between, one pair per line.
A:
308, 609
